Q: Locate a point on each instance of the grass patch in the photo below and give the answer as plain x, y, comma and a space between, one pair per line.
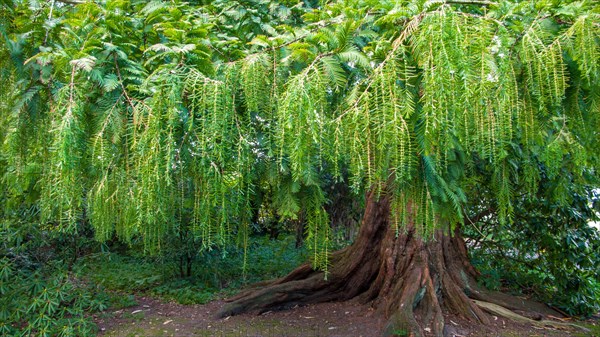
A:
594, 330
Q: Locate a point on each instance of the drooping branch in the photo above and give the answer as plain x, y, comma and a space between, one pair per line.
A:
72, 2
471, 2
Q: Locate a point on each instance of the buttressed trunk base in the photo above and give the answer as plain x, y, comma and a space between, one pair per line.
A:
409, 280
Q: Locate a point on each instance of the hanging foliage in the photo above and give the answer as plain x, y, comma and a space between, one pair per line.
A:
143, 116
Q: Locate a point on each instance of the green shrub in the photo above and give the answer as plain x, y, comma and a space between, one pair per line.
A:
549, 252
33, 303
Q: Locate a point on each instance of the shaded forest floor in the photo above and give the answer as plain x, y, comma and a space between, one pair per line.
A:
151, 317
147, 298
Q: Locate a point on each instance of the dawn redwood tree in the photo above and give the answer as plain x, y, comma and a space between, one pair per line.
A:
144, 118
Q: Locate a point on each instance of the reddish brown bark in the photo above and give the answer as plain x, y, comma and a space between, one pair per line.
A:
411, 281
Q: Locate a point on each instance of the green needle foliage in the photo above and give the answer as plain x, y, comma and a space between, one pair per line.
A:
146, 118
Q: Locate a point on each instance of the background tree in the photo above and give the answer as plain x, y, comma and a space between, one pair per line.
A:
149, 119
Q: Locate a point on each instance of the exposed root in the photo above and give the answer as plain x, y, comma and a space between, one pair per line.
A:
495, 309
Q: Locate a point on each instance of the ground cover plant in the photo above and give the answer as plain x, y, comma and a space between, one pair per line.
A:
215, 275
180, 130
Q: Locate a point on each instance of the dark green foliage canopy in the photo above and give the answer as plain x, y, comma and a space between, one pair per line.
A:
146, 117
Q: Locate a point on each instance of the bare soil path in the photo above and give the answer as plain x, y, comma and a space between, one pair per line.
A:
152, 317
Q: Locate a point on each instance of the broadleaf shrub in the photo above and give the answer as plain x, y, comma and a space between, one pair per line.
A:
550, 252
34, 303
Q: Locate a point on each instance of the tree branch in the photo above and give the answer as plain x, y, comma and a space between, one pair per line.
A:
71, 2
470, 2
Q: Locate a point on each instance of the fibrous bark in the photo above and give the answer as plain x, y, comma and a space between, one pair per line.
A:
410, 280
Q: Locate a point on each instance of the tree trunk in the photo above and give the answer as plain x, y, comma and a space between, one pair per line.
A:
299, 226
409, 280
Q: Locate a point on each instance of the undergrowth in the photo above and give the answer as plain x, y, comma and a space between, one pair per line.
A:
53, 284
216, 273
558, 266
39, 295
35, 304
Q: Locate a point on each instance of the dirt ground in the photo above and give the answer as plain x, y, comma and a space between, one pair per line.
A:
348, 319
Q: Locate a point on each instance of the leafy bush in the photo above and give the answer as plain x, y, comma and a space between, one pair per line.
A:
38, 294
549, 251
32, 303
269, 259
